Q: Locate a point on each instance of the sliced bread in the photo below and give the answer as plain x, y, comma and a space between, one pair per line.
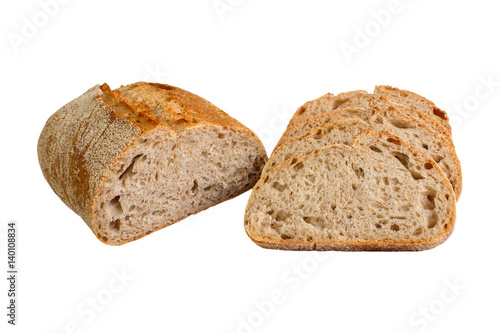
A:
137, 159
416, 133
410, 99
378, 194
384, 96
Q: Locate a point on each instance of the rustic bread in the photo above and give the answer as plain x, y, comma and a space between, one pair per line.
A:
134, 160
378, 194
410, 99
414, 132
330, 102
384, 96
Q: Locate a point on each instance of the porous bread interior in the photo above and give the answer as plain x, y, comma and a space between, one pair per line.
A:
411, 130
376, 192
337, 131
384, 103
161, 179
322, 118
406, 102
412, 100
329, 102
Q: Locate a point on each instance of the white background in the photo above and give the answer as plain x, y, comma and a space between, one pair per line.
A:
259, 61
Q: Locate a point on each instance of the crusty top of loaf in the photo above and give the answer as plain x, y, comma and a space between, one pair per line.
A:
177, 107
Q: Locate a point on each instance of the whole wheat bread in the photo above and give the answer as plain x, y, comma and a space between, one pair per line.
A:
134, 160
380, 194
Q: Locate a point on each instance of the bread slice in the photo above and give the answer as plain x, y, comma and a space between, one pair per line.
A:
410, 99
330, 102
416, 133
379, 194
137, 159
383, 97
364, 114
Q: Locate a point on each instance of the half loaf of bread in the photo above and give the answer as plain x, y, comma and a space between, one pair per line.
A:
137, 159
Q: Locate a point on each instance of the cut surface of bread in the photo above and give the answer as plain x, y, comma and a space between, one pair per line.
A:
134, 160
415, 101
384, 96
378, 194
330, 102
414, 132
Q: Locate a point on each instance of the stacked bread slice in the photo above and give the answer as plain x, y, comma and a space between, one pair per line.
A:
359, 171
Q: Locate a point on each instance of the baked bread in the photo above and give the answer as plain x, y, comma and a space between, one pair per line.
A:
384, 96
378, 194
134, 160
410, 99
414, 132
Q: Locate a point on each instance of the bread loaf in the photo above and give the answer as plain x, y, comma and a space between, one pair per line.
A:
134, 160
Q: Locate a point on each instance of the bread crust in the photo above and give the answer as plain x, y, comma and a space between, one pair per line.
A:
86, 138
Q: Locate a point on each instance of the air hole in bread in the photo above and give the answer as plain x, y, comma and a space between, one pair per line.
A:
128, 171
279, 187
425, 146
281, 215
116, 206
428, 166
402, 158
375, 149
437, 158
416, 175
428, 199
401, 124
432, 220
394, 227
194, 188
115, 225
221, 135
298, 166
319, 134
378, 225
354, 186
316, 221
395, 141
418, 231
360, 173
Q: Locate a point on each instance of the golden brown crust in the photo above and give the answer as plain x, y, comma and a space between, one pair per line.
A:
177, 107
77, 146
